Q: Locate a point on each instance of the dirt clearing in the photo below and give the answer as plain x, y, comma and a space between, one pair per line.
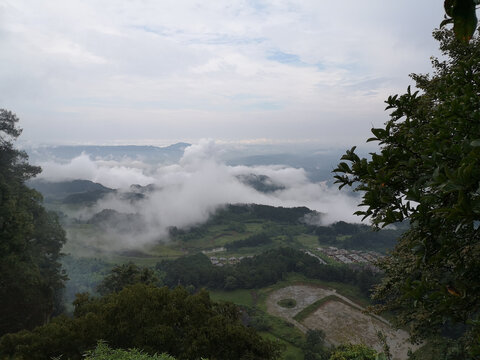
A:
342, 320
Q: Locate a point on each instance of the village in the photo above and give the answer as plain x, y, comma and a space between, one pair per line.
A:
347, 257
232, 260
350, 256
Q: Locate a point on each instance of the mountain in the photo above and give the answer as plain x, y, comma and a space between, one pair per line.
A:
73, 190
261, 183
168, 154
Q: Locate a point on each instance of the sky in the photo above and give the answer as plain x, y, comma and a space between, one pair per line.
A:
247, 71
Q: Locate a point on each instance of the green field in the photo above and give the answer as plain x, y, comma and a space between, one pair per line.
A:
240, 297
302, 315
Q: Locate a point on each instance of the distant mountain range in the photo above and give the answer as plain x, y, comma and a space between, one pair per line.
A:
317, 163
69, 191
169, 154
84, 191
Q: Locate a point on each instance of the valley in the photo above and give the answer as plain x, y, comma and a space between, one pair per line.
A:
229, 255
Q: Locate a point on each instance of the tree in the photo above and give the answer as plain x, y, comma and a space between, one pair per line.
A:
314, 348
463, 16
126, 274
31, 239
104, 352
145, 317
428, 171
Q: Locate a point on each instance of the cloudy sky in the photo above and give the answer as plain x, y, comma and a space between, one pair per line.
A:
100, 71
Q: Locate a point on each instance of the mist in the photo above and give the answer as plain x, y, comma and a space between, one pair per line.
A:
187, 193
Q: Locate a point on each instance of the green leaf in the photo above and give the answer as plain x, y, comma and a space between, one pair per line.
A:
448, 5
445, 22
378, 132
464, 18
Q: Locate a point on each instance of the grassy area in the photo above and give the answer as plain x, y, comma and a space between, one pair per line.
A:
325, 258
307, 240
349, 291
290, 352
254, 226
212, 239
306, 312
239, 297
166, 251
284, 330
278, 329
218, 235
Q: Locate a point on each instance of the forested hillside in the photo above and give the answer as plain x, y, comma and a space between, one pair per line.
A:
31, 240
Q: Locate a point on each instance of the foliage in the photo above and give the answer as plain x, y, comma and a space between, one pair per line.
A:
314, 348
287, 303
149, 318
382, 241
31, 239
359, 237
428, 172
439, 349
195, 270
308, 310
126, 274
262, 212
235, 217
265, 269
104, 352
354, 352
463, 16
85, 275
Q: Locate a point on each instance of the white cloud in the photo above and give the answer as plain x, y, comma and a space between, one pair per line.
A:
125, 70
189, 192
108, 173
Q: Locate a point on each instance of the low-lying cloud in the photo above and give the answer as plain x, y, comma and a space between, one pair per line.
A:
189, 192
109, 173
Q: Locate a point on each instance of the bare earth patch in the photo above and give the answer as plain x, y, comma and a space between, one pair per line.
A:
342, 321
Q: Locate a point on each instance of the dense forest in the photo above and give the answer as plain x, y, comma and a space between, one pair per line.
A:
261, 270
31, 240
147, 317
